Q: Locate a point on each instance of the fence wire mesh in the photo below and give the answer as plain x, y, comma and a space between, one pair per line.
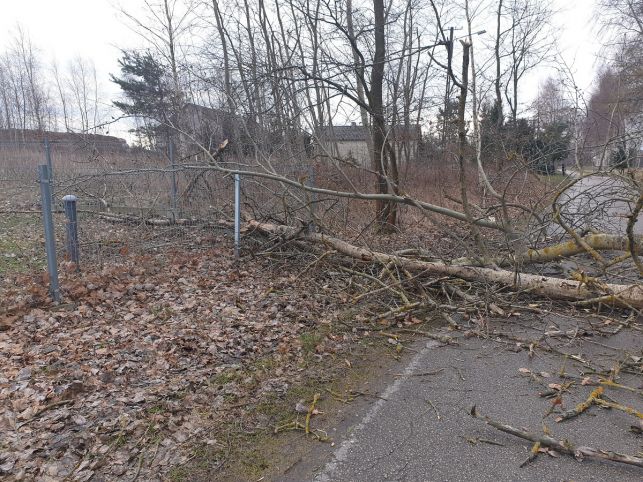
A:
131, 201
137, 201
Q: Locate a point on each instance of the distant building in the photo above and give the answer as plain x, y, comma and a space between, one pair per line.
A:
351, 142
209, 126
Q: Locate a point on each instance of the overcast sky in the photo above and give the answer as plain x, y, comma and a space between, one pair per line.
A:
64, 29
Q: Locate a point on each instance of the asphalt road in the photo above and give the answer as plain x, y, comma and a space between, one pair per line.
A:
423, 430
597, 202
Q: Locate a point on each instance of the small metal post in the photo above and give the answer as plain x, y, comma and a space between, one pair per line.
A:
174, 188
69, 204
237, 215
50, 240
50, 167
313, 198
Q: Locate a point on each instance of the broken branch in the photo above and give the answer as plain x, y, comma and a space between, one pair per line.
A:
564, 447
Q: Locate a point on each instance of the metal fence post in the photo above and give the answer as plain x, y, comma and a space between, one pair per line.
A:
313, 198
50, 167
50, 240
237, 215
71, 240
174, 188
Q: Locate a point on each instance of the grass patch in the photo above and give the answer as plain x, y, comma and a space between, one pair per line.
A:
309, 341
226, 376
254, 462
20, 247
10, 257
179, 474
249, 448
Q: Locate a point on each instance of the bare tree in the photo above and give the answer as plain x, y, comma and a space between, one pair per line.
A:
63, 97
527, 45
25, 97
83, 87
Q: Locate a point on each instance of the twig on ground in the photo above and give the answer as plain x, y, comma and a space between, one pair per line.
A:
533, 453
476, 441
313, 263
336, 396
611, 384
617, 406
441, 338
583, 406
371, 395
564, 447
138, 469
43, 410
372, 278
311, 409
437, 414
595, 399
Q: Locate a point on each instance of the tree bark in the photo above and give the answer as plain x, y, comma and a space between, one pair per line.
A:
597, 242
499, 120
359, 67
377, 112
386, 212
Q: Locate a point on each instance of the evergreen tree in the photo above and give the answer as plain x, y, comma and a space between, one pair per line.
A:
147, 95
548, 147
622, 157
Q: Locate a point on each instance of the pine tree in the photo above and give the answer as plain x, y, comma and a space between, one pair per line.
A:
147, 96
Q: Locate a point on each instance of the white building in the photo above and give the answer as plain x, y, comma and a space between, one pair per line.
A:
351, 143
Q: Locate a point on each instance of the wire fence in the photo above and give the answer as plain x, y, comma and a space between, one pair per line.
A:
136, 201
132, 201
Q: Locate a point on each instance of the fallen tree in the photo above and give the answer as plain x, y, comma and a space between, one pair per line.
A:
595, 241
583, 289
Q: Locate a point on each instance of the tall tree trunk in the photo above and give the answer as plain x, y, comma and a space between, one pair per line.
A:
500, 119
384, 210
227, 86
462, 146
359, 67
229, 125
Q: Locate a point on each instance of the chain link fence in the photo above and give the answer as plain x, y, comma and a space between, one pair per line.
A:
130, 201
137, 201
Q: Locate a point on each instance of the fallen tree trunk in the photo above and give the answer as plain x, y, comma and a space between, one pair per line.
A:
598, 242
624, 295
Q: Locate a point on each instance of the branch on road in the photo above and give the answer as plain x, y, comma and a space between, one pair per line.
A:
563, 447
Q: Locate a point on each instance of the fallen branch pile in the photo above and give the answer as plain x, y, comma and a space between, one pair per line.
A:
584, 289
